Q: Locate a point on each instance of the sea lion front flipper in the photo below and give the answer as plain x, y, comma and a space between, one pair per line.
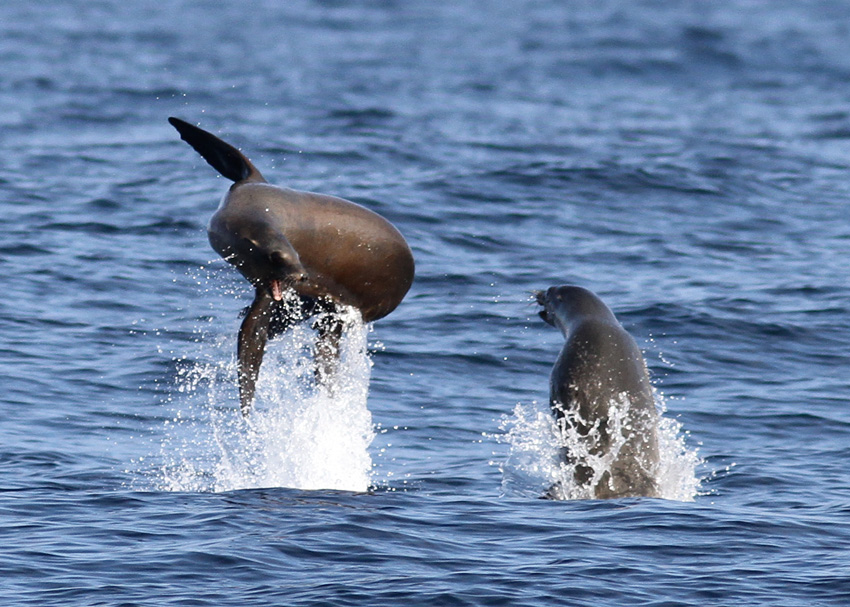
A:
222, 156
251, 346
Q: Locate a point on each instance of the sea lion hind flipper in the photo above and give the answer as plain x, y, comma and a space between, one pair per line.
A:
251, 347
222, 156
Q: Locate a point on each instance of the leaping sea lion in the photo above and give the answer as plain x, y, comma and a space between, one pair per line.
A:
601, 368
330, 251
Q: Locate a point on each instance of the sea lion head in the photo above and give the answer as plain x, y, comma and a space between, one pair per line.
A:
563, 305
269, 263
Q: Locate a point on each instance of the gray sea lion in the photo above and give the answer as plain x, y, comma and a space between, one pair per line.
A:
601, 368
328, 250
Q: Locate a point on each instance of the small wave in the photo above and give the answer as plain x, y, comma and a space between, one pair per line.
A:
89, 227
23, 250
672, 178
535, 466
299, 435
364, 117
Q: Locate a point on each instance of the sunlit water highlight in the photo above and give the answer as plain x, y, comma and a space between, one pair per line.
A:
298, 435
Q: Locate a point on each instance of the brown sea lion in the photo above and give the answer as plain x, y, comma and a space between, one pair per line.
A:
330, 251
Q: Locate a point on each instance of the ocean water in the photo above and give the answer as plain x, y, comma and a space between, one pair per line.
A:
687, 161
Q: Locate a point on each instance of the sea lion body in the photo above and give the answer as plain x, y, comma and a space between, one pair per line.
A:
341, 250
601, 368
331, 252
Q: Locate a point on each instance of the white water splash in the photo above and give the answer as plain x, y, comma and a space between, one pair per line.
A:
298, 435
534, 466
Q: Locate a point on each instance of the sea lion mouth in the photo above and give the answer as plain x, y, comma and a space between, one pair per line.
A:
276, 287
540, 297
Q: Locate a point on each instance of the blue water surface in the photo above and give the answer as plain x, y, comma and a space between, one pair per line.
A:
688, 161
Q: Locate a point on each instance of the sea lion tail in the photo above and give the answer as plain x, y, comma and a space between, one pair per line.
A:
222, 156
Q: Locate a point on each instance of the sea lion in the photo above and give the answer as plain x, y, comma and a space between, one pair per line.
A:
330, 251
601, 368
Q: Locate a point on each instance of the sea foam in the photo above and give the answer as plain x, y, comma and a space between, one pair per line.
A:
298, 434
535, 467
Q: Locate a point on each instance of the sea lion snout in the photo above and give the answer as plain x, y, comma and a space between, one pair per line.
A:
287, 272
542, 298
